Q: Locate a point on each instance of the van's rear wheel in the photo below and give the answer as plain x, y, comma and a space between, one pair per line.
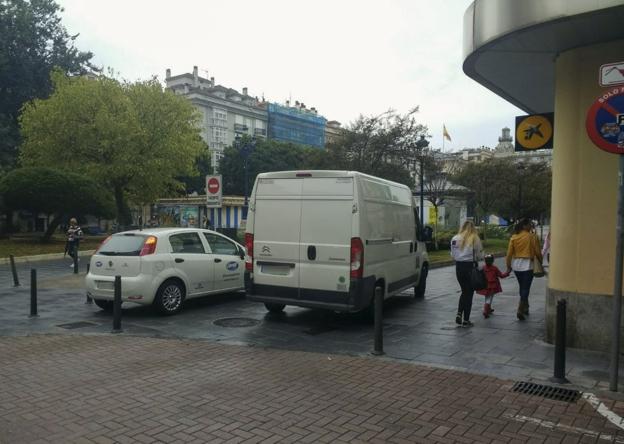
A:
274, 308
104, 305
419, 290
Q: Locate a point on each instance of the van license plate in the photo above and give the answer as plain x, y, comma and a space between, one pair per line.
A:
279, 270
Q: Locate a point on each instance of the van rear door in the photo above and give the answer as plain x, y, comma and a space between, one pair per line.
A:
277, 223
326, 227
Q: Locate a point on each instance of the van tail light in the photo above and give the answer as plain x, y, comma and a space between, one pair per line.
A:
249, 241
357, 257
149, 246
102, 244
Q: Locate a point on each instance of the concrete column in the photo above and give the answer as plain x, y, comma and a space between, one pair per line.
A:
584, 203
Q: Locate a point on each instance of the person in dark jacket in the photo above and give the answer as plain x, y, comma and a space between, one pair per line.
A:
74, 234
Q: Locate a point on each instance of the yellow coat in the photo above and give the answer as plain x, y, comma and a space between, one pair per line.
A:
523, 245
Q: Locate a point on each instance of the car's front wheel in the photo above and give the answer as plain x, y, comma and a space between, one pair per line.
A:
274, 308
170, 297
419, 290
104, 305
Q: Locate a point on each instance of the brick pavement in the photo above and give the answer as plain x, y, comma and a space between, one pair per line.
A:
103, 389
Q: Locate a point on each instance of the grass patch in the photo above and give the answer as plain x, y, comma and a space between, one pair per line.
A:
33, 246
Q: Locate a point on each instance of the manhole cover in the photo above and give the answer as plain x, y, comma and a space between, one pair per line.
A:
73, 325
236, 322
546, 391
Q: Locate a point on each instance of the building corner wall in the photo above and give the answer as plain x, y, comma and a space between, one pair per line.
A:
583, 203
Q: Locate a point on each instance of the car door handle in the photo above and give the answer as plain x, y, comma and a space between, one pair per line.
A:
179, 260
217, 260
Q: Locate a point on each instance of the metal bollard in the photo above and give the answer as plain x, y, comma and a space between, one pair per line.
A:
560, 344
378, 350
33, 293
76, 261
89, 300
14, 271
117, 306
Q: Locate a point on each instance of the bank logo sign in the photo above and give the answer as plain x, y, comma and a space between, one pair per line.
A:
534, 132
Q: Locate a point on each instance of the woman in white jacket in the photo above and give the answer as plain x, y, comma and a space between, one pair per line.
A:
465, 248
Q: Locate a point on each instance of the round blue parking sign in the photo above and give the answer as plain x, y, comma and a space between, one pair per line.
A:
605, 121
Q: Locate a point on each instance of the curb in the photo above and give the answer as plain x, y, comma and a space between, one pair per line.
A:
42, 257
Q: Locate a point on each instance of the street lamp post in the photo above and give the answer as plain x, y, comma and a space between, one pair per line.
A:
246, 146
422, 145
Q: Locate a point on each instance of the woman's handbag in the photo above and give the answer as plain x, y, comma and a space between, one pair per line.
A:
477, 275
538, 269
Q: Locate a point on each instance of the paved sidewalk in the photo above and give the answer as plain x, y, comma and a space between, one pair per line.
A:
119, 389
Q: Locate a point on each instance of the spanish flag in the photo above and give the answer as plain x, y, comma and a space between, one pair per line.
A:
445, 133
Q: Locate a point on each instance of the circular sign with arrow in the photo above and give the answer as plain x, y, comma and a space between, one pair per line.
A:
605, 121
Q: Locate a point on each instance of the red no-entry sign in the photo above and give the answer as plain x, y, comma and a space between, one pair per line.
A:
213, 186
213, 191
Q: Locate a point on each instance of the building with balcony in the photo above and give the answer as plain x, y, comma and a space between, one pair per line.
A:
224, 111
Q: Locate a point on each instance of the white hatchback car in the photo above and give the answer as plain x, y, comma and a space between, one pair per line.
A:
165, 266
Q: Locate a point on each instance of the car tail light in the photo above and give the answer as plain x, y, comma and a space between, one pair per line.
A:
249, 241
102, 244
149, 246
357, 257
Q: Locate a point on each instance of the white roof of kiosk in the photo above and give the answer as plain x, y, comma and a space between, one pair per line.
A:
510, 45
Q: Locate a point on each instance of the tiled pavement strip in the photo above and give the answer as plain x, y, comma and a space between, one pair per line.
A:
103, 388
96, 389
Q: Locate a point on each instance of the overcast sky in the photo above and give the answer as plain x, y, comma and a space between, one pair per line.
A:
344, 57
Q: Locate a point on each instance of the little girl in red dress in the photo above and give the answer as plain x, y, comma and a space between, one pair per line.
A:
492, 274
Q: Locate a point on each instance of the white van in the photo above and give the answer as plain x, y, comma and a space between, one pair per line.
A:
326, 239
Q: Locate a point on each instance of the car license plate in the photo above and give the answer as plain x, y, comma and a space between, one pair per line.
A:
104, 285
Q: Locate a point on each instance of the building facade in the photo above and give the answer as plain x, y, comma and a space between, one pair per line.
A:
225, 113
547, 57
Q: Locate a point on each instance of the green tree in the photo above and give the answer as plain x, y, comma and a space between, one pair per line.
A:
55, 193
269, 155
32, 43
508, 188
387, 145
134, 138
196, 182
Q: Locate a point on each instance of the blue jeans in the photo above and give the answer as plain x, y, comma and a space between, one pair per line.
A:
525, 278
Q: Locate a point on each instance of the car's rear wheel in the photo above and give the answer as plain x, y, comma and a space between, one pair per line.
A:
274, 308
419, 290
104, 305
170, 297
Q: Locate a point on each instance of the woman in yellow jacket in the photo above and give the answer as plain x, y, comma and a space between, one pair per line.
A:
523, 249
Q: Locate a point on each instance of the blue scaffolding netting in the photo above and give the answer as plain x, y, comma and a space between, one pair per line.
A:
288, 124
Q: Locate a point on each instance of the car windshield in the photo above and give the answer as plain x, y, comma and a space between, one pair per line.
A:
123, 245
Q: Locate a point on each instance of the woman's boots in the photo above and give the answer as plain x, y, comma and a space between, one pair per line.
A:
523, 310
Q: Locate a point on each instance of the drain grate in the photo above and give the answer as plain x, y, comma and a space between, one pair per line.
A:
236, 322
73, 325
546, 391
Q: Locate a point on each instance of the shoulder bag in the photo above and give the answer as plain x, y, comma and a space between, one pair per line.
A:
538, 269
477, 275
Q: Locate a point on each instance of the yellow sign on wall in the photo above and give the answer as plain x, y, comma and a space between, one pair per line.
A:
433, 215
534, 132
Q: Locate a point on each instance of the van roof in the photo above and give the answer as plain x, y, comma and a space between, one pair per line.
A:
324, 173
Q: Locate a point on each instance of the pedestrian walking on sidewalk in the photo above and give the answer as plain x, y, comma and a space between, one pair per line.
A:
523, 249
74, 234
465, 249
492, 275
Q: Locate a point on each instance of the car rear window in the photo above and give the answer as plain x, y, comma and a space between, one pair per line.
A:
123, 245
